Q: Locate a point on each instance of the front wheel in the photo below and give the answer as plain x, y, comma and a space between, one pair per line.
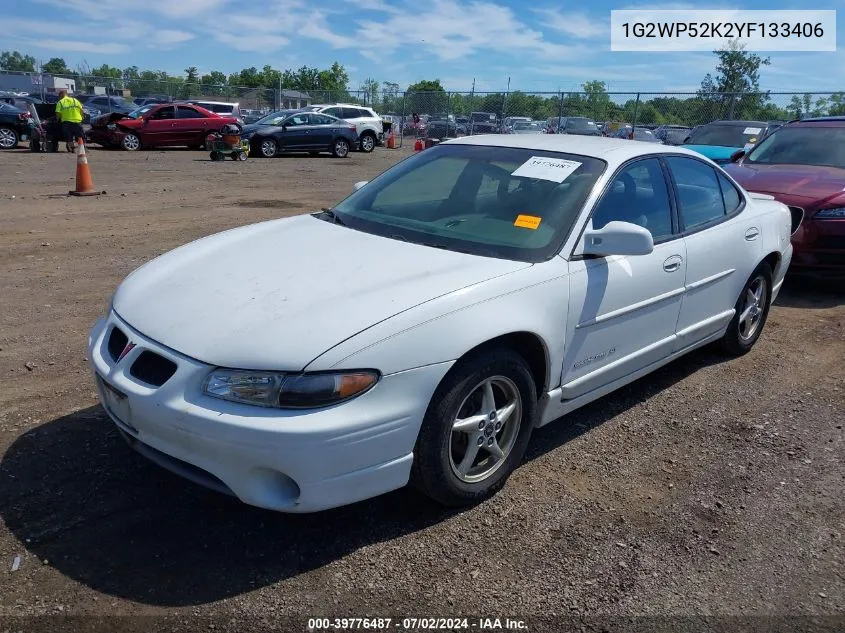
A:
750, 313
476, 429
268, 148
340, 149
131, 143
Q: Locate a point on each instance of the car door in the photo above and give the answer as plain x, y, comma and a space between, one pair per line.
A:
623, 309
191, 126
722, 246
159, 127
323, 129
295, 133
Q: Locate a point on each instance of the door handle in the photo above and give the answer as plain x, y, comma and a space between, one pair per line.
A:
752, 233
672, 264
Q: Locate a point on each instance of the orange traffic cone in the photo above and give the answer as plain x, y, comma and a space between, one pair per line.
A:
391, 140
418, 145
84, 182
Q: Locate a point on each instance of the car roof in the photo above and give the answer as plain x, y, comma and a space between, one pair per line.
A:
228, 103
611, 150
738, 123
821, 121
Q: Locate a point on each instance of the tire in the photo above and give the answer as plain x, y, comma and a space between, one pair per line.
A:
215, 156
751, 312
367, 142
450, 465
8, 137
267, 148
131, 142
241, 156
340, 148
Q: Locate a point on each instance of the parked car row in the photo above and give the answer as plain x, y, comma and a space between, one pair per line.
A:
182, 123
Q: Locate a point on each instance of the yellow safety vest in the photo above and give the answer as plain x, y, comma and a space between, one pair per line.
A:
69, 110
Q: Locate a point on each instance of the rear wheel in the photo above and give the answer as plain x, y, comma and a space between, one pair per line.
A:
8, 138
750, 313
368, 142
476, 429
340, 149
241, 155
215, 156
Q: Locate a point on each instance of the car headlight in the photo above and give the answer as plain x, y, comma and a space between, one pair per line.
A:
837, 213
288, 391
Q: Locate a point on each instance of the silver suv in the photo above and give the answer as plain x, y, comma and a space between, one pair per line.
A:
369, 124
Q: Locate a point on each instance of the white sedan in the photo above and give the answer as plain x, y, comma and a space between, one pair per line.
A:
419, 330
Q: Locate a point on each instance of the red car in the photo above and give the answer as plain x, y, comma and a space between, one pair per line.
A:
157, 125
802, 165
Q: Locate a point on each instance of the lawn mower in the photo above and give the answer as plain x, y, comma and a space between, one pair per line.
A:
227, 142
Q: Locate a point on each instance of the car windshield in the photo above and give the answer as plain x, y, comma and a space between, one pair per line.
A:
677, 135
802, 145
580, 124
510, 203
525, 125
726, 135
275, 118
644, 134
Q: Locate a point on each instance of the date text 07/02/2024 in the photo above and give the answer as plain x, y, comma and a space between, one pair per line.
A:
416, 624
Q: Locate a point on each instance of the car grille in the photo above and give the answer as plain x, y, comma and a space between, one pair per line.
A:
833, 242
797, 217
152, 368
117, 341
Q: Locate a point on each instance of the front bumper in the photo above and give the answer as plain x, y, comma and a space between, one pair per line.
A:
104, 136
285, 460
819, 248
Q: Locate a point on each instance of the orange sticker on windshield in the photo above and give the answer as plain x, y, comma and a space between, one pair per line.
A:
527, 221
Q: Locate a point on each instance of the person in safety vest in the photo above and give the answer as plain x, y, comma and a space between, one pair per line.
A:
69, 113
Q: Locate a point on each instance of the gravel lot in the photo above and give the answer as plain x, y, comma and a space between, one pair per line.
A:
710, 488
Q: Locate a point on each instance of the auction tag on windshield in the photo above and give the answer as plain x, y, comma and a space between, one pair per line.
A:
752, 130
527, 221
554, 169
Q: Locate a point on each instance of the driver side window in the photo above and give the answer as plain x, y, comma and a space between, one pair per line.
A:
639, 195
297, 119
164, 113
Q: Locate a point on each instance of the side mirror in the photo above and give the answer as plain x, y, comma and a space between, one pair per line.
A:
737, 155
359, 184
618, 238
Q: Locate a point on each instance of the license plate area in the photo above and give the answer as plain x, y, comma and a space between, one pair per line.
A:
116, 403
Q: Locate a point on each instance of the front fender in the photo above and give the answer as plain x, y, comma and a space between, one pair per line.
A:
533, 300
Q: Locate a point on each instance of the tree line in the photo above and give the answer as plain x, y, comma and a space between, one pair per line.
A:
733, 92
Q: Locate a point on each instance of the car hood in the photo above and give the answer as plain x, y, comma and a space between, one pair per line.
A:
713, 152
805, 181
278, 294
112, 117
252, 128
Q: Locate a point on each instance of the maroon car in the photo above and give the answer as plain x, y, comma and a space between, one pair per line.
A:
157, 125
803, 165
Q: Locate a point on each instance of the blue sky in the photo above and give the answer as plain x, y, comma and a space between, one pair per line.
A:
540, 45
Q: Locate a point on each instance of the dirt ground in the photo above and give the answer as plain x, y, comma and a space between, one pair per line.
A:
711, 488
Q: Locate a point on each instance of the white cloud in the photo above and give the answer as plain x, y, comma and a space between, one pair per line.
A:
102, 48
453, 30
375, 5
577, 25
166, 37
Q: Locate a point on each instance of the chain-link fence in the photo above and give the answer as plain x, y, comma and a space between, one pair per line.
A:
444, 114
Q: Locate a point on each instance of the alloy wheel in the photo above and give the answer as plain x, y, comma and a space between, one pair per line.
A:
753, 308
485, 429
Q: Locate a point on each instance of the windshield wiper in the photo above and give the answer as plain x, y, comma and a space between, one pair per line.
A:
334, 217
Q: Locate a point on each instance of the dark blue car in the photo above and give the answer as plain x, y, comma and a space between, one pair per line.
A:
299, 131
